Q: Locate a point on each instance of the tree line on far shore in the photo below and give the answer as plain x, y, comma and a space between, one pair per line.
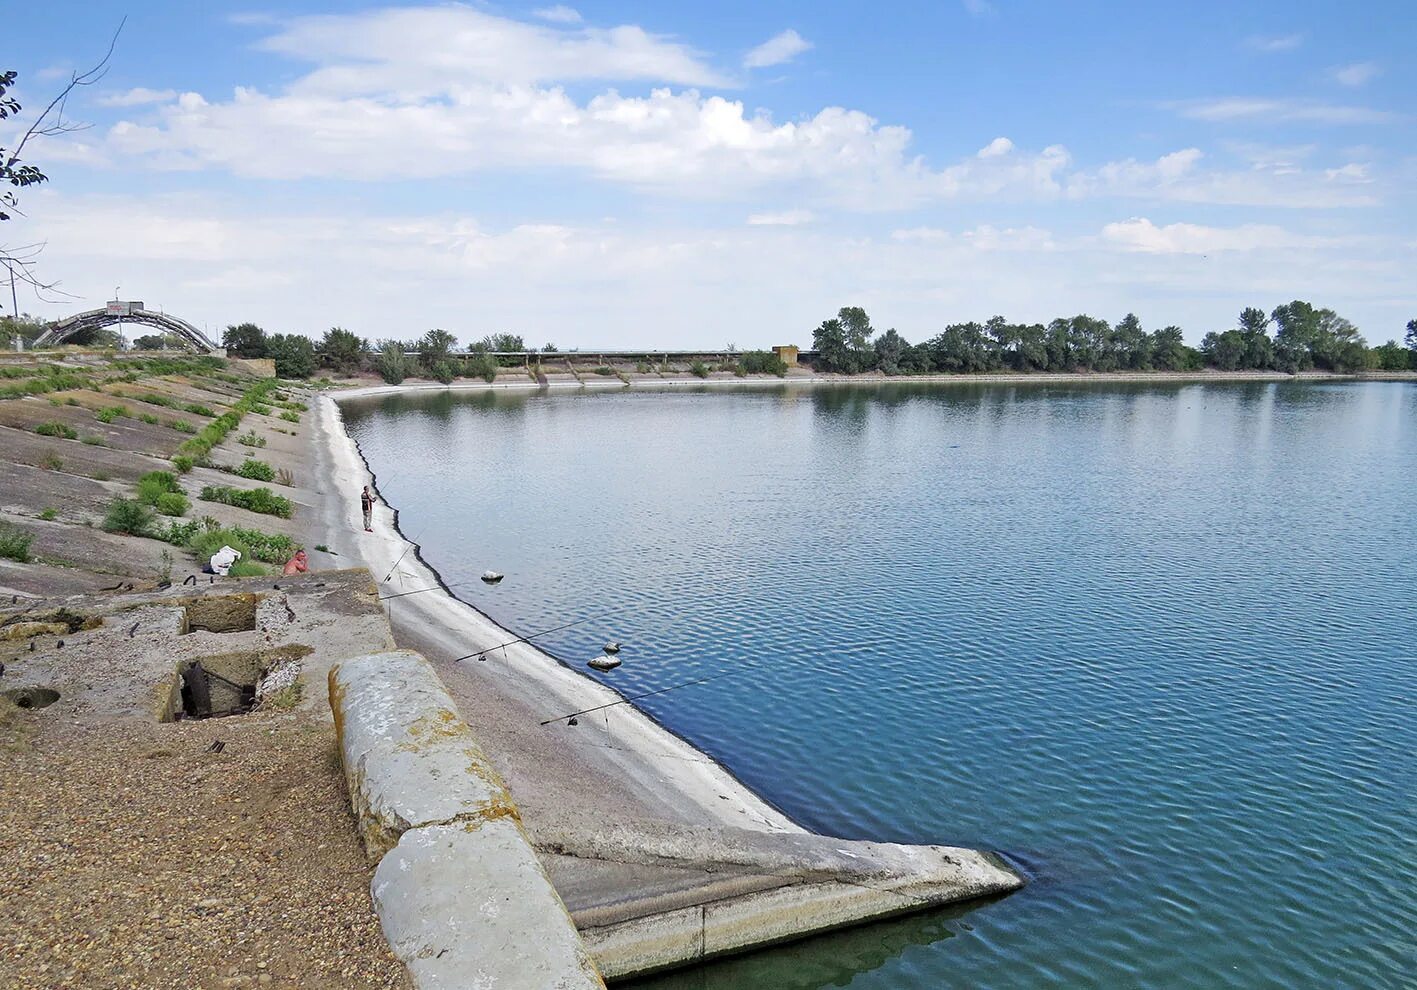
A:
1304, 338
345, 352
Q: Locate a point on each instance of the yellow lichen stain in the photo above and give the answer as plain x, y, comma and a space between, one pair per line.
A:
337, 703
166, 698
29, 630
437, 726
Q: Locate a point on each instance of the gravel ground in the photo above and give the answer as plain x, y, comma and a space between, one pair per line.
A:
131, 856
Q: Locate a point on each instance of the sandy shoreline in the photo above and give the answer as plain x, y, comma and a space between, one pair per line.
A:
616, 766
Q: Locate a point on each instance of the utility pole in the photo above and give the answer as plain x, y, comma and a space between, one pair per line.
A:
15, 304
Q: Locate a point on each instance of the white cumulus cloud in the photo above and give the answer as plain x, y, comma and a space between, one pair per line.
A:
138, 96
1140, 234
559, 14
1275, 43
1357, 74
416, 51
1275, 111
995, 148
784, 218
776, 50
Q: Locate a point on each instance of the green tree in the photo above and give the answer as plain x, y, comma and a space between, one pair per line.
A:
843, 344
1031, 353
890, 346
393, 362
245, 340
1392, 356
1169, 350
434, 347
829, 341
342, 350
294, 354
1297, 331
503, 342
915, 360
1411, 341
1058, 347
1339, 347
964, 348
158, 342
1132, 344
858, 328
1225, 351
1254, 330
25, 327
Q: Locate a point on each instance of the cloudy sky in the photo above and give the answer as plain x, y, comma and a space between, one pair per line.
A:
616, 174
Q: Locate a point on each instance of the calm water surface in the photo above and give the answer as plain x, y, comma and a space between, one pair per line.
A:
1154, 643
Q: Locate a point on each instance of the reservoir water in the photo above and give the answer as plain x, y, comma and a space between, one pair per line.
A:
1157, 644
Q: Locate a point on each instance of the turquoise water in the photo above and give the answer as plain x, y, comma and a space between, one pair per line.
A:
1153, 643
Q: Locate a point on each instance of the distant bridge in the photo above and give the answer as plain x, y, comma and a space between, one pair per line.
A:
97, 319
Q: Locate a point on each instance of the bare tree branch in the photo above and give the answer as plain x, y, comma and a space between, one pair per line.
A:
19, 263
43, 125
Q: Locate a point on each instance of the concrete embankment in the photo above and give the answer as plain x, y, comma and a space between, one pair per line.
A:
660, 855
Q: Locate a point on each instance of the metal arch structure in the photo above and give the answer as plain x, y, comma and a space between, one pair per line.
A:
96, 319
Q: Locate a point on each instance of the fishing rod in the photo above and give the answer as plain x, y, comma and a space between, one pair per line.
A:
571, 718
411, 545
482, 654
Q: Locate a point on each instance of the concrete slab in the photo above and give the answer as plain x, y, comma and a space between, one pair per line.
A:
409, 757
658, 896
468, 906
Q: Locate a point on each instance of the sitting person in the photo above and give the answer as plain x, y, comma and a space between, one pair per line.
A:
222, 560
299, 564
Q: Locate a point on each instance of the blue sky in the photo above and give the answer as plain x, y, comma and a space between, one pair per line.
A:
609, 174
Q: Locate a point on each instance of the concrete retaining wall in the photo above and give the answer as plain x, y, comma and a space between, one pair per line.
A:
461, 895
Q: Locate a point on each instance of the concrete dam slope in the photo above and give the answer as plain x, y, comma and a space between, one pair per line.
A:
659, 855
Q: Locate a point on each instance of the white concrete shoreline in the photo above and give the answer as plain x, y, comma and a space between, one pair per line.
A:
874, 378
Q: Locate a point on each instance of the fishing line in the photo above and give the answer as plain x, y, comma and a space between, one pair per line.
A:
650, 694
411, 545
436, 587
481, 654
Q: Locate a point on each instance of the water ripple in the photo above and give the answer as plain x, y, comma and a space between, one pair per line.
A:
1154, 642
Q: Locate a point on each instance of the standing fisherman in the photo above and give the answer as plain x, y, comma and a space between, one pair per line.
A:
366, 502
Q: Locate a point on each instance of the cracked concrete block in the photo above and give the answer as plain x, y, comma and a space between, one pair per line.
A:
409, 758
468, 905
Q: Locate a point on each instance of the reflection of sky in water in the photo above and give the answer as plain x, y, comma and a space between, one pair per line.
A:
1152, 641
